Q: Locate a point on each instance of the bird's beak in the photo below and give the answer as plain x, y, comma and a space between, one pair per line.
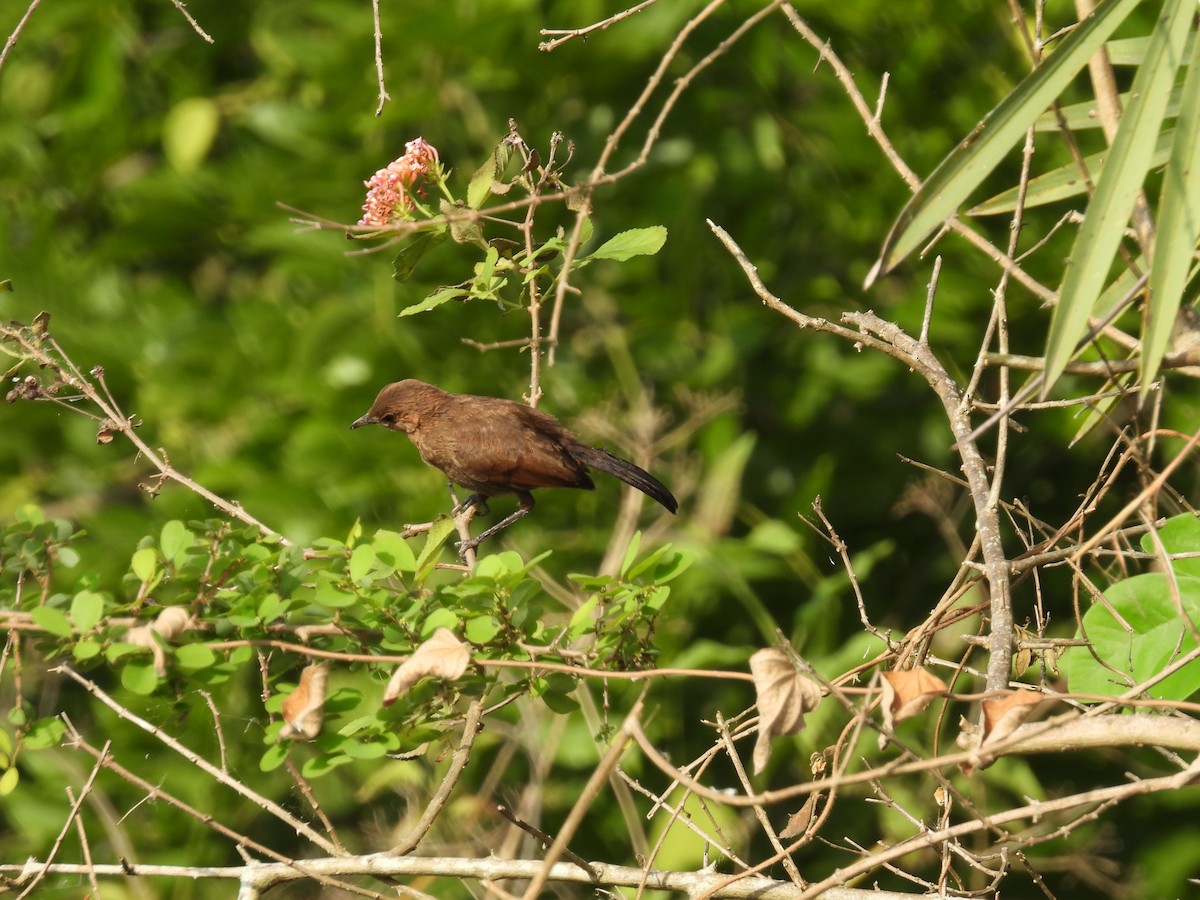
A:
364, 419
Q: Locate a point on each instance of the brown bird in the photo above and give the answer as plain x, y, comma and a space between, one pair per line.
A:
494, 446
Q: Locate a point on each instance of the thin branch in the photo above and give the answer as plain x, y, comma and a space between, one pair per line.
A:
567, 34
384, 97
182, 7
75, 805
16, 32
200, 762
575, 817
111, 418
294, 868
438, 801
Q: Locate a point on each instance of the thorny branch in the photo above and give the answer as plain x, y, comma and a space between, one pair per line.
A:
38, 345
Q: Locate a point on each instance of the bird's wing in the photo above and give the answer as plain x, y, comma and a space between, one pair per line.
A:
504, 447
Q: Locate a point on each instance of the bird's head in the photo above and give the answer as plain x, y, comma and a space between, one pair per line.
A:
399, 405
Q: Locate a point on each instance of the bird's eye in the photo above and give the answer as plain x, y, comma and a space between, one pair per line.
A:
388, 418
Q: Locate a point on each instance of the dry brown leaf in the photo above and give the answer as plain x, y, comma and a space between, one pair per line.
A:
304, 708
170, 623
1002, 716
442, 656
173, 621
1023, 660
784, 696
906, 693
799, 821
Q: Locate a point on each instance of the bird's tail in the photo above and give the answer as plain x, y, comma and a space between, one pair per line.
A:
636, 477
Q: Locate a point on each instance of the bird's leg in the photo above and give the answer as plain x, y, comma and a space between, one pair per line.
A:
524, 508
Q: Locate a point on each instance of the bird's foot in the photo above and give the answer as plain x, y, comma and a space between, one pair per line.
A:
475, 500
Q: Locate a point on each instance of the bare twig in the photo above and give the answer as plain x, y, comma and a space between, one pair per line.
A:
75, 805
46, 352
16, 32
575, 817
200, 762
384, 97
294, 868
566, 34
436, 803
182, 7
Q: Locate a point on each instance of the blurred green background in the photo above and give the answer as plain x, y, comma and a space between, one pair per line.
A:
142, 173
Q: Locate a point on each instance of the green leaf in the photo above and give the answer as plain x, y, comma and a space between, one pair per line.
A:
557, 692
174, 540
273, 758
413, 252
117, 649
481, 629
52, 620
1178, 227
443, 527
434, 300
583, 620
30, 514
324, 764
1138, 638
189, 129
983, 149
480, 186
139, 678
1116, 189
673, 566
393, 551
86, 650
145, 563
44, 733
195, 656
657, 597
330, 594
630, 553
361, 561
271, 608
1179, 534
67, 557
631, 243
366, 750
8, 781
499, 566
86, 610
439, 618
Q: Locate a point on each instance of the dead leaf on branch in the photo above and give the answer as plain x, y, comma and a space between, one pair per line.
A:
169, 624
304, 708
799, 821
442, 656
784, 696
1002, 716
906, 693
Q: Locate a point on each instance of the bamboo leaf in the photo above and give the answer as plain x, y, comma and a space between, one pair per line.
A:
1082, 116
1131, 51
979, 153
1117, 188
1178, 227
1063, 183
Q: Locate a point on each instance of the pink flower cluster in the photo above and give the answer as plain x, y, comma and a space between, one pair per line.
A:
389, 192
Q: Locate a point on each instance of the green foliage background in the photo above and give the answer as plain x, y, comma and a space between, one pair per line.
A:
142, 172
